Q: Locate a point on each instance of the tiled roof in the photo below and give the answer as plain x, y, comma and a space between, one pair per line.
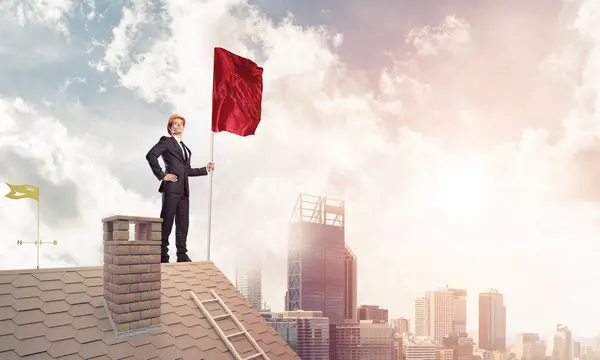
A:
59, 314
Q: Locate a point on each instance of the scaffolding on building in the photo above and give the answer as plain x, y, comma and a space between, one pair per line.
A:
319, 210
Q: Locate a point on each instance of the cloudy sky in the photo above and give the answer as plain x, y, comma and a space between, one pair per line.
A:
463, 136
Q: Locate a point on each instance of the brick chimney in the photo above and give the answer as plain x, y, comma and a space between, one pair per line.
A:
132, 272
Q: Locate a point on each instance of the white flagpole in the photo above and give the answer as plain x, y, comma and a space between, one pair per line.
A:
37, 242
210, 187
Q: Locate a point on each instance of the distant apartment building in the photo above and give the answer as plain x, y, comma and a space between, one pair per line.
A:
345, 342
529, 347
399, 346
401, 325
421, 317
482, 354
373, 313
461, 345
576, 349
249, 282
563, 343
307, 332
442, 353
588, 352
500, 355
441, 313
525, 343
421, 349
363, 341
492, 321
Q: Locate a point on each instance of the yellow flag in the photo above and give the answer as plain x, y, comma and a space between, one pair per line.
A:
23, 191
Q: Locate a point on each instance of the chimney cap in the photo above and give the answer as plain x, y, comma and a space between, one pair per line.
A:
132, 219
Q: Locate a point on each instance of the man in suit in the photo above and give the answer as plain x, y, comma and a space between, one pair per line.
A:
174, 185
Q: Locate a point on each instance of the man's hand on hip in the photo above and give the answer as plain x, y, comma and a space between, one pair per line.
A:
170, 177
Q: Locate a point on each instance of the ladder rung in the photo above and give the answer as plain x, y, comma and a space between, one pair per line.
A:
236, 334
253, 356
208, 301
222, 335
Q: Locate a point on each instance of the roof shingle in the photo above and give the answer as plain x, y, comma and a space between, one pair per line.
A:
59, 313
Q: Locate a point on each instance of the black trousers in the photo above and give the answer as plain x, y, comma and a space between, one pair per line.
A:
175, 207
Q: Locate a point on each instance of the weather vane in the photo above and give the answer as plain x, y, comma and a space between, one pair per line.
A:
29, 192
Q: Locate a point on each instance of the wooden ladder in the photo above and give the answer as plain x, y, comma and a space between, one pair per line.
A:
226, 338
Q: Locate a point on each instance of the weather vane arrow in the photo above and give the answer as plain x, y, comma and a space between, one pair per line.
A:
26, 191
21, 242
37, 243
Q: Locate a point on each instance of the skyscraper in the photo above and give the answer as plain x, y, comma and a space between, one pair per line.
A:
492, 321
350, 286
317, 258
421, 317
441, 313
459, 310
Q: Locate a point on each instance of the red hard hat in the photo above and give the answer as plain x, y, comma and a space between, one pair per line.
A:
171, 119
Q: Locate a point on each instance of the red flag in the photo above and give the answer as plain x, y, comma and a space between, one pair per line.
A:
237, 94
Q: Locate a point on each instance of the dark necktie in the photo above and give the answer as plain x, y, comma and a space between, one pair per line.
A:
185, 155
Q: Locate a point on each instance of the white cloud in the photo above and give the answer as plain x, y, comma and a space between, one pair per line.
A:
450, 36
564, 64
52, 13
420, 211
124, 34
70, 81
396, 86
583, 123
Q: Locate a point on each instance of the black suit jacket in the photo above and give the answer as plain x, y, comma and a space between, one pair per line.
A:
169, 149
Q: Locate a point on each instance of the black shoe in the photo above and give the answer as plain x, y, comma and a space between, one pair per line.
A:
184, 258
164, 260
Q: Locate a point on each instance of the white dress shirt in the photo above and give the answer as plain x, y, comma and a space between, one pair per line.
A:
185, 154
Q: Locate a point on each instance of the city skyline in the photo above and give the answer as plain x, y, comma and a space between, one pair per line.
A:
511, 337
322, 320
316, 245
